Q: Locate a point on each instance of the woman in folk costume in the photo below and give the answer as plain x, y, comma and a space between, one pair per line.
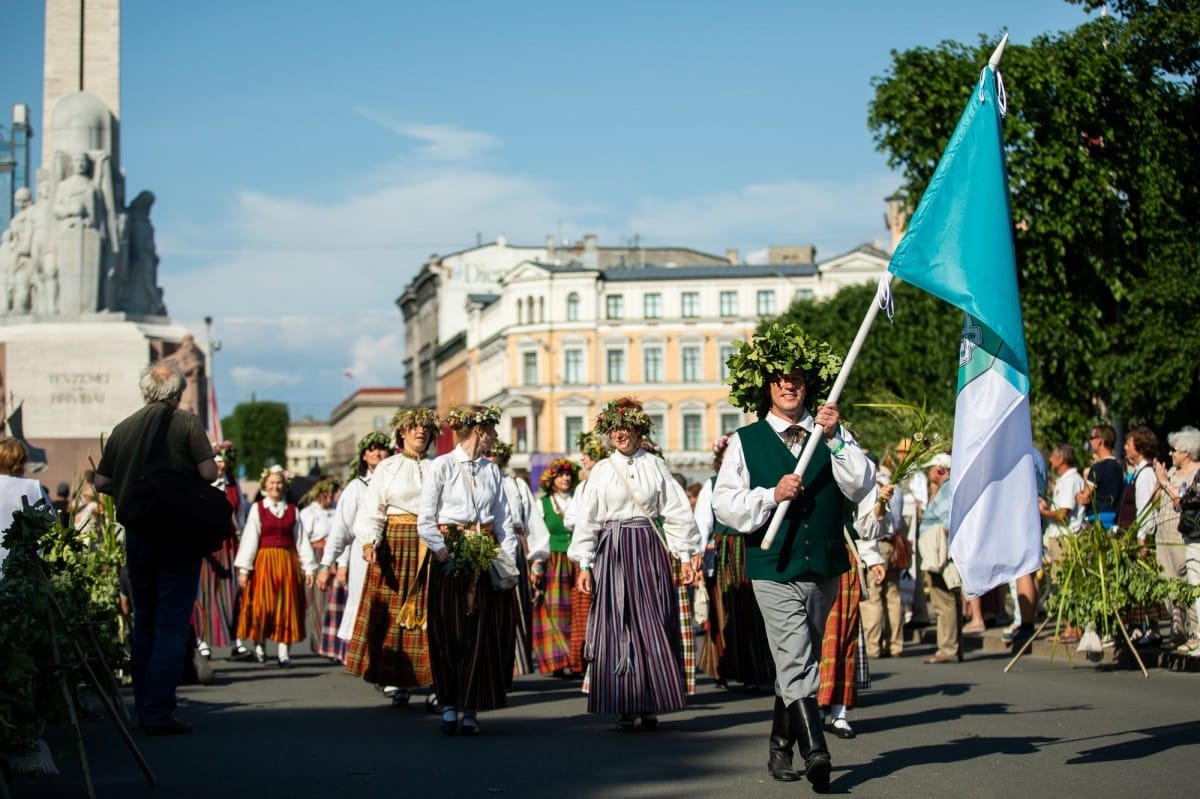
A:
554, 621
275, 563
471, 624
635, 637
593, 448
390, 647
533, 547
316, 522
343, 567
215, 617
843, 662
736, 647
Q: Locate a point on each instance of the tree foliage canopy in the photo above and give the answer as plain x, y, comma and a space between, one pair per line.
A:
1104, 173
259, 430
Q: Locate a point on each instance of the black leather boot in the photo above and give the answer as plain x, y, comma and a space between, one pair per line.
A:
779, 761
805, 719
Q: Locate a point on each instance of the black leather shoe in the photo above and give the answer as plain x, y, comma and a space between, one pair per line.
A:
649, 721
625, 722
842, 729
172, 727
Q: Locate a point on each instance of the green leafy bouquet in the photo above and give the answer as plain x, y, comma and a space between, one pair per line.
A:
471, 551
922, 431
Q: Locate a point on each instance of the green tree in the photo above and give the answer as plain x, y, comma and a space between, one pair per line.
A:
259, 431
1101, 136
914, 358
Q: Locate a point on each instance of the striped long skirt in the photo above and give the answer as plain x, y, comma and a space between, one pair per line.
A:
273, 601
524, 615
335, 606
635, 641
214, 617
471, 649
840, 663
552, 618
736, 647
389, 645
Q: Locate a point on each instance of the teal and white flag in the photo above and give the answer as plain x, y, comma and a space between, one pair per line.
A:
959, 247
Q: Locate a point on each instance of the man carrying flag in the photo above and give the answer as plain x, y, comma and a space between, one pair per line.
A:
959, 247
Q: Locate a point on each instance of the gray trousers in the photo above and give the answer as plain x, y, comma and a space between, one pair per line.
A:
795, 615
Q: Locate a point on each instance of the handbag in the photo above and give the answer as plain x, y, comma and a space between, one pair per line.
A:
933, 544
178, 508
901, 558
502, 572
1189, 513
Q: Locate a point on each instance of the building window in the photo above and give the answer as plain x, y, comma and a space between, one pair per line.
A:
572, 307
541, 310
529, 368
652, 360
614, 306
692, 430
653, 305
660, 428
766, 302
727, 351
574, 426
615, 366
729, 303
803, 294
730, 422
520, 311
520, 434
691, 364
573, 366
690, 304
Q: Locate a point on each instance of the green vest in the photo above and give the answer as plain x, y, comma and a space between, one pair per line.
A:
560, 536
809, 544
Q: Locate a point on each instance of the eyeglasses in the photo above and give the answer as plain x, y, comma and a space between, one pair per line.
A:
1095, 438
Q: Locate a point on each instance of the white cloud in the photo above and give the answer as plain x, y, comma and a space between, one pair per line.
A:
378, 361
251, 378
442, 143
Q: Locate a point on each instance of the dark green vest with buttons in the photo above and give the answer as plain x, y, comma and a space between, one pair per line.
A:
809, 544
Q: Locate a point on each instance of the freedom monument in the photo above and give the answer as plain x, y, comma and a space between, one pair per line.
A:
81, 311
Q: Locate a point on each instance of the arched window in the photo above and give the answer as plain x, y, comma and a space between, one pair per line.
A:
529, 310
573, 307
541, 310
520, 310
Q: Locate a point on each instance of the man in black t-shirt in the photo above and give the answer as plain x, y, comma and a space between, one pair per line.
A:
1105, 477
163, 571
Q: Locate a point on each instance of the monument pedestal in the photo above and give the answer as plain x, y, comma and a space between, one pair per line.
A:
75, 380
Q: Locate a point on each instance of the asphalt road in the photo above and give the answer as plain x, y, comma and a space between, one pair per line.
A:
965, 730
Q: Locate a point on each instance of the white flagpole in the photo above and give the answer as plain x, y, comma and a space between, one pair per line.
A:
811, 443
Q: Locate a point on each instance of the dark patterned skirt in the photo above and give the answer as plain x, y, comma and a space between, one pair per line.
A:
635, 641
335, 605
389, 645
552, 622
471, 649
736, 647
840, 646
214, 618
524, 616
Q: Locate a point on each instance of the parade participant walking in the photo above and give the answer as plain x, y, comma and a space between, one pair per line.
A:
735, 648
390, 647
163, 570
316, 523
635, 642
275, 564
533, 547
342, 563
554, 620
945, 587
780, 375
593, 448
471, 623
214, 619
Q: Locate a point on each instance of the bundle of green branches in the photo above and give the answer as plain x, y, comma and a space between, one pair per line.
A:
1107, 572
61, 583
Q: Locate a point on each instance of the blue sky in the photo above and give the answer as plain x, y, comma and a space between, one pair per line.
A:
308, 157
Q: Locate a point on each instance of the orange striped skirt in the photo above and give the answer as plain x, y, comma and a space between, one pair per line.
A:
273, 600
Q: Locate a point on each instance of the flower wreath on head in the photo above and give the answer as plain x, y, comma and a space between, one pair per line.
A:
780, 349
469, 416
406, 418
623, 418
592, 445
372, 439
276, 469
501, 450
558, 466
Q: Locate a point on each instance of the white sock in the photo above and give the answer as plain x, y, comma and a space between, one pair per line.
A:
283, 651
839, 712
260, 650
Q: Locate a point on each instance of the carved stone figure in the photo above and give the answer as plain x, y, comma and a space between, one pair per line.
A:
142, 294
83, 235
191, 361
18, 264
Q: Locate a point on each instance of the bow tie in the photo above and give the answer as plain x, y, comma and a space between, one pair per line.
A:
794, 435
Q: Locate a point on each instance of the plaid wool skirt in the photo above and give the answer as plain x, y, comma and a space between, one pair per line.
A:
273, 601
552, 616
390, 645
843, 672
214, 618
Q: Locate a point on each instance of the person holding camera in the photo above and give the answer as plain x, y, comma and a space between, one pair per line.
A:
1179, 556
